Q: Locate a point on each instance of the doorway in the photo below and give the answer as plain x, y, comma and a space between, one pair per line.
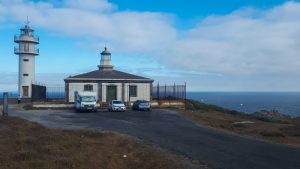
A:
111, 93
25, 91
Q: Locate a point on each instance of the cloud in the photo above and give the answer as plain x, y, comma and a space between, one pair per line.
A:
97, 5
244, 42
247, 43
9, 80
51, 79
127, 31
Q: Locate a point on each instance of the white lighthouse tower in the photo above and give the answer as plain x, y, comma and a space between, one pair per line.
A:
27, 51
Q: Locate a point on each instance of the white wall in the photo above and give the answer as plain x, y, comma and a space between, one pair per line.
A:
26, 67
80, 87
143, 90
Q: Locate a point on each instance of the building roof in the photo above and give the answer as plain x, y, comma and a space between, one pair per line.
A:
103, 74
105, 52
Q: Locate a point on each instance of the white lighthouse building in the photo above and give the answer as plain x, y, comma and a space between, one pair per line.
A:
108, 83
27, 52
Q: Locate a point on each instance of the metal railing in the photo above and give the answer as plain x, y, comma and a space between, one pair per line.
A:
158, 92
55, 92
23, 51
18, 38
169, 92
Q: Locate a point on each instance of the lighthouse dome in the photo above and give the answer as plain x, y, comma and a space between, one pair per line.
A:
105, 52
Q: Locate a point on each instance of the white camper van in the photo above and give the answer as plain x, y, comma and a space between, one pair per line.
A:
85, 101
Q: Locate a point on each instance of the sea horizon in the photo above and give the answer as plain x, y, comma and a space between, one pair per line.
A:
247, 102
250, 102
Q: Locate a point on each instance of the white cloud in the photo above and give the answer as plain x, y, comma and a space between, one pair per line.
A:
128, 31
97, 5
245, 43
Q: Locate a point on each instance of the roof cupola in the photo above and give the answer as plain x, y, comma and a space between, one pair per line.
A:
105, 62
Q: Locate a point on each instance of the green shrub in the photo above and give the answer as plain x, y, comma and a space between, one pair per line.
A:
271, 134
196, 105
238, 125
266, 119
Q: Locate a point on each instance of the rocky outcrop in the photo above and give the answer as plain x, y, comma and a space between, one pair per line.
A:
272, 116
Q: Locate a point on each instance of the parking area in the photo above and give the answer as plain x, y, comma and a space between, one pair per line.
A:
169, 130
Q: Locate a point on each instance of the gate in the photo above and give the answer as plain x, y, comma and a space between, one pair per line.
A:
38, 93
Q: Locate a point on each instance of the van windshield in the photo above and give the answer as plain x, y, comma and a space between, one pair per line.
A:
88, 99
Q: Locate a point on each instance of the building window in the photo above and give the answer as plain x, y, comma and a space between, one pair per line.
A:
25, 74
88, 87
25, 60
133, 91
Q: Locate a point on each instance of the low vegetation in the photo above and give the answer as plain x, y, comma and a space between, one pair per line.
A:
196, 105
277, 128
25, 144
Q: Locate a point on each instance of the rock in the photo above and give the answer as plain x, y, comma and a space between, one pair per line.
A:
272, 116
244, 122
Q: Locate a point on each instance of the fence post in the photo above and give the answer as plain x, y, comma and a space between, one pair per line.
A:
165, 90
5, 104
158, 91
185, 96
174, 97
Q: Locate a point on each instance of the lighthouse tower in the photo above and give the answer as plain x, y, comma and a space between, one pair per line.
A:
105, 62
27, 51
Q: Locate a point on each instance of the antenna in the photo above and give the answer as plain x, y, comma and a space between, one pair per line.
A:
27, 21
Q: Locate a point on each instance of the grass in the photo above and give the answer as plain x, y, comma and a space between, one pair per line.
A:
285, 131
271, 134
25, 144
196, 105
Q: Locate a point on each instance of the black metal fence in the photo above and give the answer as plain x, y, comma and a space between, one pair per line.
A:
56, 92
38, 93
158, 92
169, 92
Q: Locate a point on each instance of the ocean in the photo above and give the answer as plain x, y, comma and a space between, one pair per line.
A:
49, 95
250, 102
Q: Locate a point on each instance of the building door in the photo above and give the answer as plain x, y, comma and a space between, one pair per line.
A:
111, 93
25, 91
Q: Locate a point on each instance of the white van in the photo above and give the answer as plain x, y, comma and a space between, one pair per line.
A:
85, 101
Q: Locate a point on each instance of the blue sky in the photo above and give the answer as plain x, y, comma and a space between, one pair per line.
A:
215, 45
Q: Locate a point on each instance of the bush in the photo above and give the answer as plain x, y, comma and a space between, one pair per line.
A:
28, 107
293, 131
271, 134
196, 105
239, 125
270, 120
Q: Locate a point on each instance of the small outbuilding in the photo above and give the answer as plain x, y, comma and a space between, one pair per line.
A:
109, 84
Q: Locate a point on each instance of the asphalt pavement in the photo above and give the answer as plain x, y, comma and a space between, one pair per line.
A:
171, 131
